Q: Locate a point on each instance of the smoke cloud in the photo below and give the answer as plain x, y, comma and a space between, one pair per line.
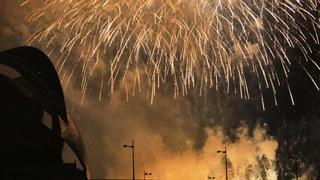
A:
166, 134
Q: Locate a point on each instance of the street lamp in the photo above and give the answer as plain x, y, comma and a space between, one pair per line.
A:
211, 177
132, 149
226, 160
145, 173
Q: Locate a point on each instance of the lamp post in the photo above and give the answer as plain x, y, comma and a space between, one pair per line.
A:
226, 160
211, 177
145, 173
132, 150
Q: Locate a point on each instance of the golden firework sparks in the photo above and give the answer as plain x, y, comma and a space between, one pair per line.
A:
187, 42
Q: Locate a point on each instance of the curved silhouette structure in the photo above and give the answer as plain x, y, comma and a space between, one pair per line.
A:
35, 127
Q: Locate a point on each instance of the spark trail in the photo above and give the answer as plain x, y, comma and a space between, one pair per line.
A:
189, 43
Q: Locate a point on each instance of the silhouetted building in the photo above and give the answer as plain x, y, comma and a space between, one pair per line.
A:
35, 131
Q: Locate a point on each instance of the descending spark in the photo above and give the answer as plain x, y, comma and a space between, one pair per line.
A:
24, 3
185, 42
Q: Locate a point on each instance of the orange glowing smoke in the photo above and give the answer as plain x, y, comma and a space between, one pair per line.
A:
244, 156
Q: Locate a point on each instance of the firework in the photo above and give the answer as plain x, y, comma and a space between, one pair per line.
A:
189, 43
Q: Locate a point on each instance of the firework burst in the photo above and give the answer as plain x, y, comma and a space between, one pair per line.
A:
189, 43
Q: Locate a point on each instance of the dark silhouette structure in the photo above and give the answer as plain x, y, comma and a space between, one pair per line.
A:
226, 160
132, 151
35, 128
